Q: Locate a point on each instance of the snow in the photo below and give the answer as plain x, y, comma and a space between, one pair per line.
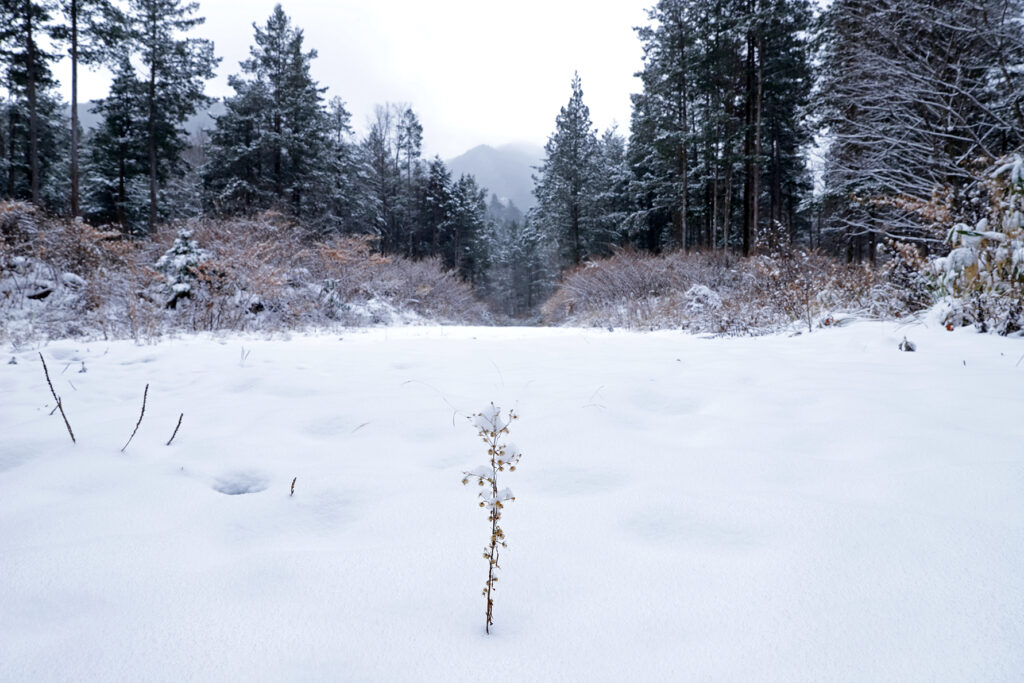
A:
820, 507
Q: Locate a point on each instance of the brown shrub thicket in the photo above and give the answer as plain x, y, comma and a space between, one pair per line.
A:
61, 278
716, 292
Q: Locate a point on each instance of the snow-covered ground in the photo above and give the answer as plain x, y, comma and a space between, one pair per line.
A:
820, 507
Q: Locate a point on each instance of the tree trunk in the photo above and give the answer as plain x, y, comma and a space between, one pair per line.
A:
153, 66
152, 150
748, 153
120, 189
12, 118
752, 140
74, 109
33, 113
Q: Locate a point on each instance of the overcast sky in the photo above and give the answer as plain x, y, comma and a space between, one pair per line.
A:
476, 71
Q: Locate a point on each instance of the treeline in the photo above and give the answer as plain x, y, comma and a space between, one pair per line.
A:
279, 145
759, 124
896, 108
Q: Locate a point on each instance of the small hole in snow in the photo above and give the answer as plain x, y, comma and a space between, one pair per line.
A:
238, 484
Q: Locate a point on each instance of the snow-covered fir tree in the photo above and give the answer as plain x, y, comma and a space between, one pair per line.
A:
180, 267
173, 71
275, 146
567, 182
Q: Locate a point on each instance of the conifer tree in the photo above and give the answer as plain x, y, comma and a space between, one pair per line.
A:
173, 71
662, 112
393, 176
566, 184
275, 145
92, 30
719, 124
24, 25
462, 249
117, 158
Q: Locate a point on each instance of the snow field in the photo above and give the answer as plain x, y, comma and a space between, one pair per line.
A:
821, 507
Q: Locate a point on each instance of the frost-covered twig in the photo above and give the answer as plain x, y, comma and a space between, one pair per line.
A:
145, 393
56, 398
492, 428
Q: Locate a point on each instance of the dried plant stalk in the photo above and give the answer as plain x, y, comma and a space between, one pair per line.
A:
180, 417
56, 398
145, 393
492, 429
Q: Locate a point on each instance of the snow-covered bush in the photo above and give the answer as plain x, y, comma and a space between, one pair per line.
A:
65, 278
715, 292
492, 428
982, 277
180, 266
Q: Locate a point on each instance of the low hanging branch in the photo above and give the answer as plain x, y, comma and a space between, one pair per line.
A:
176, 429
56, 398
145, 393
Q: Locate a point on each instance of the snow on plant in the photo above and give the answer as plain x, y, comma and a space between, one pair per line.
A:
180, 266
983, 274
492, 427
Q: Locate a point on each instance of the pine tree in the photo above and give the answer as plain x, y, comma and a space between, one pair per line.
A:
237, 175
24, 25
612, 193
117, 155
786, 99
566, 184
92, 31
173, 72
662, 120
346, 192
719, 124
435, 214
393, 176
462, 249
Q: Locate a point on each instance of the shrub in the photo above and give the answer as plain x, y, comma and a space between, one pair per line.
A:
983, 275
715, 292
62, 278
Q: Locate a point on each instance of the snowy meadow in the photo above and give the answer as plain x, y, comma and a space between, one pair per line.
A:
818, 507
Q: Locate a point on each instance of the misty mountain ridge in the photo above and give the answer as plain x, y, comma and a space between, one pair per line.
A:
506, 170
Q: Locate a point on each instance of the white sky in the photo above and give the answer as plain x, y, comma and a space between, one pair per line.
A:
476, 71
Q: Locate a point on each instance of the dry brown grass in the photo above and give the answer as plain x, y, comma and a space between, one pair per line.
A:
718, 293
262, 273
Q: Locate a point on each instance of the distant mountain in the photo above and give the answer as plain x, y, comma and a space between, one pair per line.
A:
505, 171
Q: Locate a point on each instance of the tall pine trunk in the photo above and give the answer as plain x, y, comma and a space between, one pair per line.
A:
752, 142
74, 109
33, 109
152, 149
151, 123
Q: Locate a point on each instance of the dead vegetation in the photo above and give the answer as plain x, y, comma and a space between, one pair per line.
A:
716, 292
65, 279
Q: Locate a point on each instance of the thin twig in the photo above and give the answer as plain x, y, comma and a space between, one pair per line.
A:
145, 392
56, 398
293, 487
176, 429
